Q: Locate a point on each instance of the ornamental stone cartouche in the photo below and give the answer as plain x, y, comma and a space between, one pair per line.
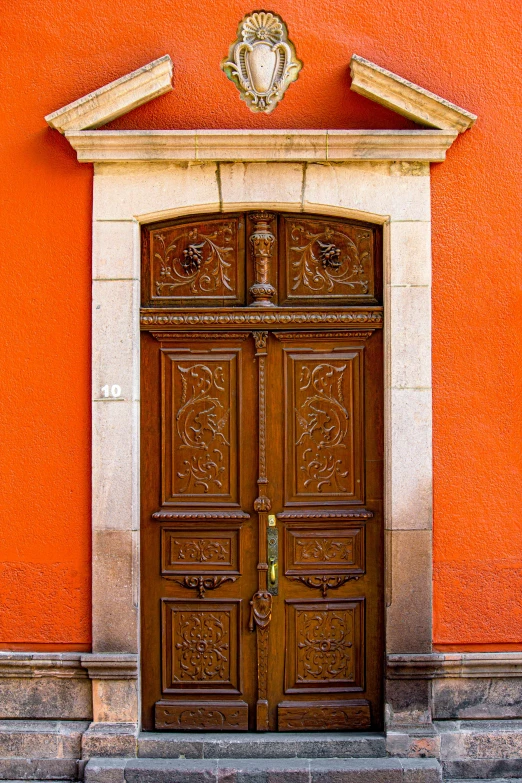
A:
262, 62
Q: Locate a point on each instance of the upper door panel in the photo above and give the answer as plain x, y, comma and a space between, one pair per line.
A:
195, 262
262, 259
327, 261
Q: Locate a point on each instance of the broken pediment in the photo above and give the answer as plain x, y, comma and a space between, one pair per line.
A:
407, 98
116, 98
444, 120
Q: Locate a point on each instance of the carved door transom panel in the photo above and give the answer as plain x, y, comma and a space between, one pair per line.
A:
261, 494
261, 259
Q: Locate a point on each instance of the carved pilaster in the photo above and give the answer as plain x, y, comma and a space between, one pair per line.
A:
262, 242
260, 616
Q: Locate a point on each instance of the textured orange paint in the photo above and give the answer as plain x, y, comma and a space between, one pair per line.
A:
54, 51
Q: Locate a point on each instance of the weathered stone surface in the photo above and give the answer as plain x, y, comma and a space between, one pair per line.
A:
413, 744
268, 770
45, 698
421, 771
481, 740
170, 770
499, 697
110, 739
483, 769
37, 769
105, 770
115, 701
264, 771
408, 621
244, 746
360, 770
408, 702
115, 622
41, 739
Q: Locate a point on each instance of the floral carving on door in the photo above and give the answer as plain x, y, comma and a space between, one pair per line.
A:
322, 426
327, 640
328, 260
201, 550
195, 262
202, 423
324, 643
202, 646
324, 550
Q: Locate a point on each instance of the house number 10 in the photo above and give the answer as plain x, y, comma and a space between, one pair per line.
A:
113, 391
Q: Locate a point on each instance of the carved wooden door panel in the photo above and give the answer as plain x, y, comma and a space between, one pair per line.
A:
261, 492
199, 545
324, 467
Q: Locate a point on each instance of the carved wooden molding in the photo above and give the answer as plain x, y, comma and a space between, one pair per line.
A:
287, 336
348, 514
169, 336
195, 515
323, 582
201, 583
407, 98
205, 317
332, 715
197, 715
260, 617
263, 145
116, 98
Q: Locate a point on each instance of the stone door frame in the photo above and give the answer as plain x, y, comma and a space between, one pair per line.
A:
395, 194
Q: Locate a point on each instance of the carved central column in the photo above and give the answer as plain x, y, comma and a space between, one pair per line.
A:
262, 243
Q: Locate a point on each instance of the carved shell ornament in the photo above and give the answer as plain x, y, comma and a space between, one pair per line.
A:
262, 62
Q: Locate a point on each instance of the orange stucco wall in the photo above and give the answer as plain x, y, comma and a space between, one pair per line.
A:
54, 51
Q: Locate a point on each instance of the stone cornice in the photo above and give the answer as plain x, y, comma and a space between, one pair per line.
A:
261, 145
431, 666
114, 99
406, 98
38, 665
111, 666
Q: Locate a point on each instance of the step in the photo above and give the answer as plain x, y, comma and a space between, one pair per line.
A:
192, 745
17, 768
279, 770
480, 749
40, 749
482, 769
41, 739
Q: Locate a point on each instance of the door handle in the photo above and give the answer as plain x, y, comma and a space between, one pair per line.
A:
272, 540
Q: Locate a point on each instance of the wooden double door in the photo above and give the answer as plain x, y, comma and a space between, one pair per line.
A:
262, 533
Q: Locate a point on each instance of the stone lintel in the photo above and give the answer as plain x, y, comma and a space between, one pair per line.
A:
444, 665
111, 666
406, 98
261, 145
116, 98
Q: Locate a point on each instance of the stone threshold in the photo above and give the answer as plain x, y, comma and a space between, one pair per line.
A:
385, 770
250, 745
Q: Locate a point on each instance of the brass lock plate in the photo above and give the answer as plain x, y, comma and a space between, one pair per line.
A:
272, 534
